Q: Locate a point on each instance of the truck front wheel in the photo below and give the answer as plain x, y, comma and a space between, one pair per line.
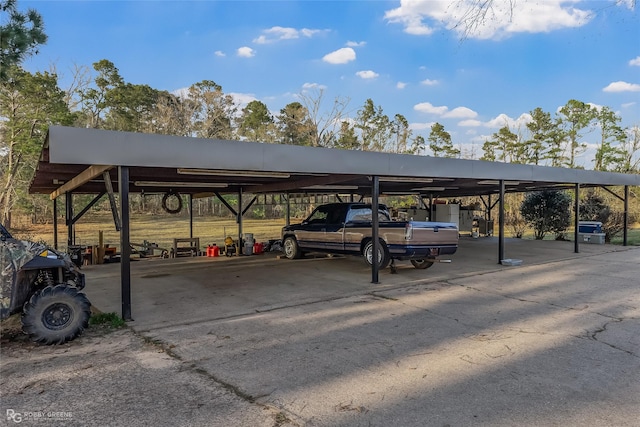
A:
291, 248
56, 314
383, 254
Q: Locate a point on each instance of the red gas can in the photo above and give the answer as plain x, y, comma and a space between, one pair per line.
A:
213, 251
258, 248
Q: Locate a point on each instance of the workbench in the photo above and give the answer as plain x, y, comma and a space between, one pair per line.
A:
192, 249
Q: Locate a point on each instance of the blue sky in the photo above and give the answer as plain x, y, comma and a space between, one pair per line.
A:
409, 57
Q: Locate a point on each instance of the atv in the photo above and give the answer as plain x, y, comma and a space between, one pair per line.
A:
45, 285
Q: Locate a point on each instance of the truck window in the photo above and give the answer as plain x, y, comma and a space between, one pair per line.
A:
319, 216
364, 214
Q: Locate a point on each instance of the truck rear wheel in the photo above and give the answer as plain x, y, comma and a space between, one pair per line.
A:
383, 254
422, 264
56, 314
291, 248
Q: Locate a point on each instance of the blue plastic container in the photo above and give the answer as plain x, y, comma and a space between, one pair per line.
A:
589, 227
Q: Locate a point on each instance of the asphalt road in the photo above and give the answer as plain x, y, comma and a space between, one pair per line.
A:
552, 342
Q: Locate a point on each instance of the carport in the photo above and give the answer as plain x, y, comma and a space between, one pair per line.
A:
91, 161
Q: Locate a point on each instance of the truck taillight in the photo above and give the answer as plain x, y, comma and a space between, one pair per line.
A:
408, 232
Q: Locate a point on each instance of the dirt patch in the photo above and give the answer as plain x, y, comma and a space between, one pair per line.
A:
111, 376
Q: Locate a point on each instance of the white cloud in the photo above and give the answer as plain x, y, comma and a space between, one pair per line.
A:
499, 20
307, 86
622, 87
635, 62
340, 56
429, 82
219, 53
628, 104
242, 99
460, 113
426, 107
277, 33
421, 126
368, 74
245, 52
631, 4
356, 44
444, 112
182, 93
596, 106
401, 85
470, 123
503, 120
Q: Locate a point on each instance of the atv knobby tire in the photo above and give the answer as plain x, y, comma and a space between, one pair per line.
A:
56, 314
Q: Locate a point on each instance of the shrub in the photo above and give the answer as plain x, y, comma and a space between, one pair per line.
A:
594, 208
547, 211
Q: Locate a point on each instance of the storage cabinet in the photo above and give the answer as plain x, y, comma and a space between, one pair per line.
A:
448, 213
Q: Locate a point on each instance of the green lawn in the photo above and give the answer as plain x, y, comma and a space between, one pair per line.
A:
159, 229
633, 238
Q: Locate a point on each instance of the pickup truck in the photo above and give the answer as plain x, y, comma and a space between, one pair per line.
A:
345, 228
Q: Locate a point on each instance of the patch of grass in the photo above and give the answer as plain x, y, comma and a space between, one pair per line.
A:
633, 238
111, 320
160, 229
281, 419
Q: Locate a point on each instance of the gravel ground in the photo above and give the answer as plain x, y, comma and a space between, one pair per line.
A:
112, 377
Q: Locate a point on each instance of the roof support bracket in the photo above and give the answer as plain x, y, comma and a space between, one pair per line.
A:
224, 202
244, 211
112, 200
612, 193
86, 208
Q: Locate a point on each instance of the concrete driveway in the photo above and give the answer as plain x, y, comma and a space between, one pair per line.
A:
555, 341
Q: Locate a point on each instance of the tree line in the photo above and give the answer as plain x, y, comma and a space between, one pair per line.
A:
100, 98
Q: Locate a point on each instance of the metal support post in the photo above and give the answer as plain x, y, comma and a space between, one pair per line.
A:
191, 217
125, 248
501, 224
626, 216
69, 217
576, 244
288, 211
239, 221
375, 188
55, 223
431, 217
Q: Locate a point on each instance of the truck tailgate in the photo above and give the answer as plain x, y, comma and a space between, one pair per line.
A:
438, 233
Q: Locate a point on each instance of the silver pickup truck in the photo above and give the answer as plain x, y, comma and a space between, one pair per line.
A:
345, 228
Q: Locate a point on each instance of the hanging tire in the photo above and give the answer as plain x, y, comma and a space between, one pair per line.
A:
290, 248
422, 264
56, 314
383, 254
172, 195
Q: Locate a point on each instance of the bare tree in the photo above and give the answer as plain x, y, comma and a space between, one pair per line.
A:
173, 114
326, 125
475, 13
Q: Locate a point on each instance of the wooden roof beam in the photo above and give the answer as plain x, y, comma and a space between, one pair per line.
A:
82, 178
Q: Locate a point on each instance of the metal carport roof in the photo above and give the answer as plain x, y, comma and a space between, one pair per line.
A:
77, 160
158, 163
